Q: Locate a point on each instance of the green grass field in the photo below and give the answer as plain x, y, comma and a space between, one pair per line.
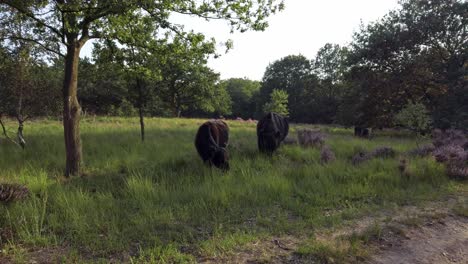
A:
157, 202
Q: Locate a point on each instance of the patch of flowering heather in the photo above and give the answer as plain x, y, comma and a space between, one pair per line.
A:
311, 138
326, 155
457, 170
450, 153
422, 151
449, 137
383, 152
290, 141
359, 158
12, 192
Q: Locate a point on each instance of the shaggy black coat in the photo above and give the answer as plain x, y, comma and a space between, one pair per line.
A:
272, 129
362, 132
211, 141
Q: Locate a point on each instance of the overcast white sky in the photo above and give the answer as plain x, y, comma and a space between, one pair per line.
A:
302, 28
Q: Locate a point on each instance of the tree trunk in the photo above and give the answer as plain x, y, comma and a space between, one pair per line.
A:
142, 124
71, 111
20, 136
176, 111
140, 109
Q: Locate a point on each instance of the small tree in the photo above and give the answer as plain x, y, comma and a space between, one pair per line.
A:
64, 27
415, 117
278, 103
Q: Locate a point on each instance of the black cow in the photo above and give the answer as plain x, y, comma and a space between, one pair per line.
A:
362, 132
211, 142
271, 130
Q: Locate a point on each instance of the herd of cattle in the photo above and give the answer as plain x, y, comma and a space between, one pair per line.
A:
212, 138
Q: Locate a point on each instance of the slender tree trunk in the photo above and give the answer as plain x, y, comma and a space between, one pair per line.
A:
140, 109
19, 109
71, 111
142, 124
21, 140
176, 111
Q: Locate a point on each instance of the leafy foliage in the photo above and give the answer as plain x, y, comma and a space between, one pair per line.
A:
278, 103
292, 75
243, 94
414, 116
416, 53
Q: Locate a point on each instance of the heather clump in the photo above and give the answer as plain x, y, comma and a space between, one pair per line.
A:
360, 157
326, 155
383, 152
450, 153
457, 171
12, 192
290, 141
449, 137
422, 151
380, 152
451, 150
311, 138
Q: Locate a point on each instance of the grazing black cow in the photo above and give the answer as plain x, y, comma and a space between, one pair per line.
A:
362, 132
211, 142
357, 131
271, 130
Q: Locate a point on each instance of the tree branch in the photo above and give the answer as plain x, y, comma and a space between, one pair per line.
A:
36, 42
219, 17
5, 133
31, 15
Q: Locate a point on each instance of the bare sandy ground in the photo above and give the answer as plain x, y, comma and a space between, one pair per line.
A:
440, 242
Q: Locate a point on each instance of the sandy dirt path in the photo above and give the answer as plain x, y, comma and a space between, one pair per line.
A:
442, 241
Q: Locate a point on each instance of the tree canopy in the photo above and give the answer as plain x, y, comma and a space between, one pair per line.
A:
243, 94
63, 27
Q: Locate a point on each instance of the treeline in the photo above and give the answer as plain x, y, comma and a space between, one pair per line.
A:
173, 81
417, 54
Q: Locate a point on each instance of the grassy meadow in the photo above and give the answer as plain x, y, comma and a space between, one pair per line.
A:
156, 202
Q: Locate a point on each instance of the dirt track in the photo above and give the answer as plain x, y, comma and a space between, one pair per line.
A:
441, 241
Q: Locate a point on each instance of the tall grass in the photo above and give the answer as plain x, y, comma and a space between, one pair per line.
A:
156, 201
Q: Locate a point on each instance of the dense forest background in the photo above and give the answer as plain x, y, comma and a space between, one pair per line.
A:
417, 54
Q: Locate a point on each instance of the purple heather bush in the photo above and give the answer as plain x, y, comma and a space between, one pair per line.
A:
360, 157
451, 149
450, 153
457, 170
449, 137
380, 152
383, 152
12, 192
290, 141
422, 151
326, 155
310, 138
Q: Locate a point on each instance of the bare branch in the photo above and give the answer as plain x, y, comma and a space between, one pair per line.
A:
6, 134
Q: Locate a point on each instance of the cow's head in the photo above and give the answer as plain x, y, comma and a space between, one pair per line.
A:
271, 140
220, 158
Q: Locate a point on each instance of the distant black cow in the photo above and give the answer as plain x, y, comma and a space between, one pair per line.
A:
271, 130
211, 142
362, 132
